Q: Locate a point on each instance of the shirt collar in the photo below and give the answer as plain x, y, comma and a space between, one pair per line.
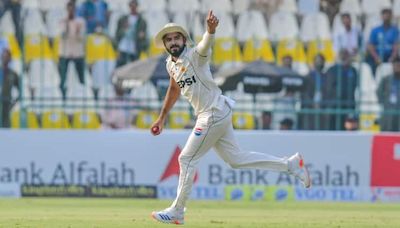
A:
382, 27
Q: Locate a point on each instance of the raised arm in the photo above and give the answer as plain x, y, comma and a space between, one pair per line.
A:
208, 38
171, 97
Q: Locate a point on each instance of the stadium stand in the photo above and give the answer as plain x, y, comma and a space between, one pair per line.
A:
289, 6
396, 9
222, 6
371, 7
179, 120
293, 48
296, 28
153, 5
315, 27
305, 7
155, 21
351, 6
145, 119
185, 6
85, 120
243, 121
251, 24
240, 6
283, 25
56, 119
29, 118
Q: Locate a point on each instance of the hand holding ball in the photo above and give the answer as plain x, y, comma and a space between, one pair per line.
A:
155, 130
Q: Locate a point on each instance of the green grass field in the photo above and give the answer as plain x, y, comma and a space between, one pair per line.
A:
74, 212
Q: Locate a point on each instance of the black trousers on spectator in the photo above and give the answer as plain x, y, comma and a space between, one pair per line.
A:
373, 65
390, 120
5, 108
16, 16
338, 119
124, 58
63, 68
314, 119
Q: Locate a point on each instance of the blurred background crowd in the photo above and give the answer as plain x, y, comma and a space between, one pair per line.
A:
92, 64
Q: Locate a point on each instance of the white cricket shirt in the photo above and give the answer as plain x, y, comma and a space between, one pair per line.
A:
192, 74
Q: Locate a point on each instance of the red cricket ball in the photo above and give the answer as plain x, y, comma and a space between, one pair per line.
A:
155, 129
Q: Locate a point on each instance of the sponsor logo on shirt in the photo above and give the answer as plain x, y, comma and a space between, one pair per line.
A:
187, 82
198, 131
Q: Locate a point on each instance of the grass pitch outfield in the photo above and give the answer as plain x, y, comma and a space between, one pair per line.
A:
83, 212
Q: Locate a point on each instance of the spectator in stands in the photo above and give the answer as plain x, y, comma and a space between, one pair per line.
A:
131, 36
118, 114
351, 123
3, 45
347, 38
267, 7
314, 98
383, 42
266, 120
343, 79
287, 62
101, 68
15, 8
389, 97
72, 46
330, 7
285, 106
286, 124
8, 80
2, 7
96, 14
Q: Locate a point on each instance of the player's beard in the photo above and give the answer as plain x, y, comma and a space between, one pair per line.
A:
178, 52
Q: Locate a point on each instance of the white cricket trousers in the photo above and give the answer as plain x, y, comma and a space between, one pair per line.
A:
214, 129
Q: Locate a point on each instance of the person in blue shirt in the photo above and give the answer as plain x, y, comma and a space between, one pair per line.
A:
95, 13
383, 42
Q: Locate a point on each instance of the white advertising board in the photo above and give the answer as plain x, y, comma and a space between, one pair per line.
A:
10, 190
335, 160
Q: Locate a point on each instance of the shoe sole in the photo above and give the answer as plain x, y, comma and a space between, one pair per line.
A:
176, 222
308, 185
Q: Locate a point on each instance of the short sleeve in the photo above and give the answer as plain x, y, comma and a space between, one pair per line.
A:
373, 37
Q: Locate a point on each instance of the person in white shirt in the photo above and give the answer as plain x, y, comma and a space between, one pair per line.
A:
346, 37
190, 76
72, 47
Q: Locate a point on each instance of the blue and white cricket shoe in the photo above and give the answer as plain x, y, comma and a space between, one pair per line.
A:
298, 169
169, 215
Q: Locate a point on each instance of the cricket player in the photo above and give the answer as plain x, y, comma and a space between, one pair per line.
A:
190, 77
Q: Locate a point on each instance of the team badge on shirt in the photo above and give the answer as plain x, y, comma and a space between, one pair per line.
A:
198, 131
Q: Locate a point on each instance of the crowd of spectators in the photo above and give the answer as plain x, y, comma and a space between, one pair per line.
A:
328, 102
